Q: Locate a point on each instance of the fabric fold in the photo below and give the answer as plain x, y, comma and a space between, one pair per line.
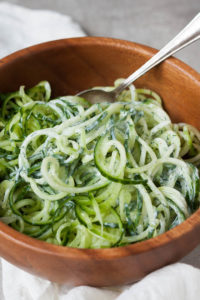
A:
22, 27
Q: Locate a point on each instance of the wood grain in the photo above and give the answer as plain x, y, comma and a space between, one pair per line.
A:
72, 65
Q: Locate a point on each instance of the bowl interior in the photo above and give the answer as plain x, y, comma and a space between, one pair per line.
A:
76, 64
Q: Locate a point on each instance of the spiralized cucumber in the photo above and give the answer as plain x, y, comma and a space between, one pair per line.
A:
95, 176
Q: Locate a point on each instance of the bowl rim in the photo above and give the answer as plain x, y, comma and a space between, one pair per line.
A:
189, 225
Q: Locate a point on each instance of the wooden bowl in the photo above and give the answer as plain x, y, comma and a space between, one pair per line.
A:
72, 65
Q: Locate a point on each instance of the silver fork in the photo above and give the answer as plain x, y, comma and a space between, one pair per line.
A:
185, 37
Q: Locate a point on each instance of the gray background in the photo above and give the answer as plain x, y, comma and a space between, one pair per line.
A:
151, 22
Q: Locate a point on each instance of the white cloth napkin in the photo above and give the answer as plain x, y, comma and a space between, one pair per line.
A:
21, 27
174, 282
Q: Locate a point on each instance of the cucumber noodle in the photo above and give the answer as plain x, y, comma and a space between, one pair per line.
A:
95, 176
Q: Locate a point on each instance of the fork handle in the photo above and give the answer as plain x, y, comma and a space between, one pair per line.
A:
185, 37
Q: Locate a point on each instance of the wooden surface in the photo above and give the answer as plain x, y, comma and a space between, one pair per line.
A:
70, 66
